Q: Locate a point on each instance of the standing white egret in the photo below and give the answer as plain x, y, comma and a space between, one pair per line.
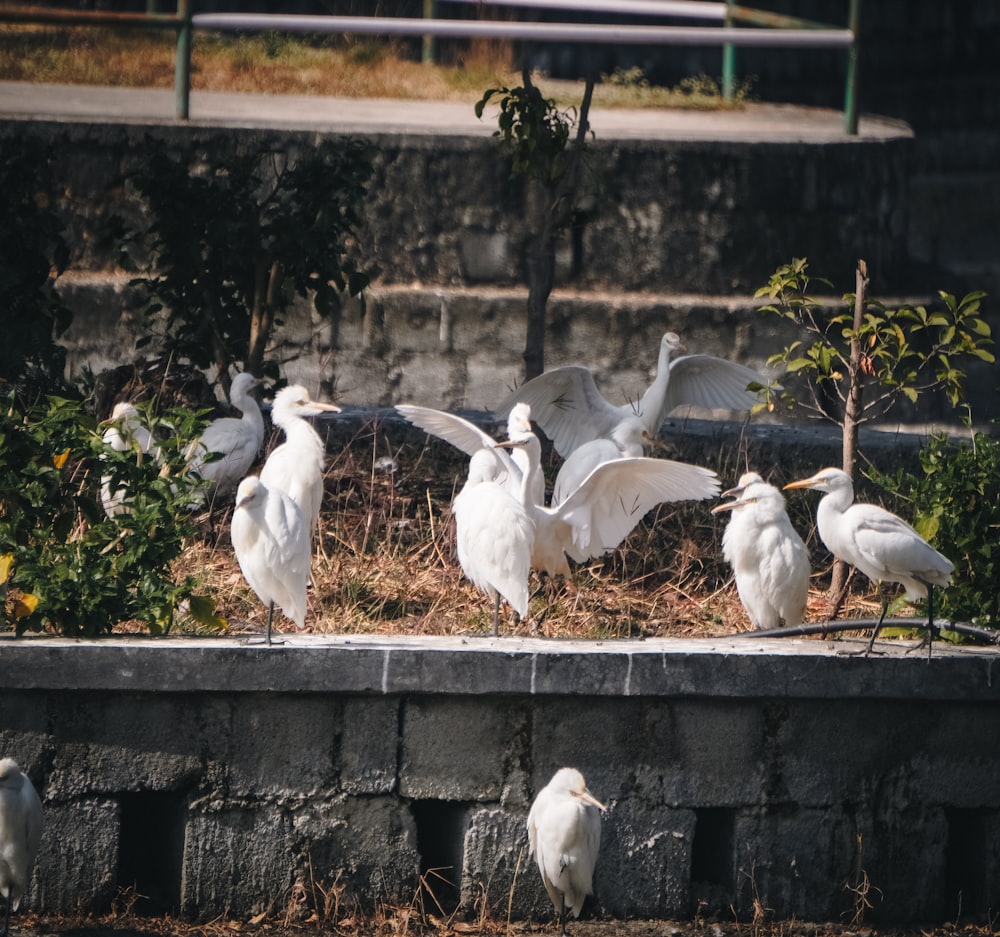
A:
769, 560
237, 440
271, 542
564, 835
20, 834
468, 437
494, 531
571, 411
883, 546
124, 432
296, 466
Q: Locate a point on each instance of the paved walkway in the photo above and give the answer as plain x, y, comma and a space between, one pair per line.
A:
757, 122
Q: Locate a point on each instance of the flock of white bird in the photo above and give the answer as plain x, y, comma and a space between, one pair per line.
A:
605, 486
505, 529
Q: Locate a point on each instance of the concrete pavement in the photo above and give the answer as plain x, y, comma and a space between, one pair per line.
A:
756, 122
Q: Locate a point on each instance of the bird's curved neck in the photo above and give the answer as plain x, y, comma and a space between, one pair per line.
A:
834, 502
653, 402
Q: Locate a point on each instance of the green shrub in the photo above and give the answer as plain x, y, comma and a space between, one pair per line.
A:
956, 505
65, 565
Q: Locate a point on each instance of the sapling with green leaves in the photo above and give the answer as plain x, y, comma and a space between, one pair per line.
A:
539, 140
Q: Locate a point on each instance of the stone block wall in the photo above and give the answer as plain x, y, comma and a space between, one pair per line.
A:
218, 778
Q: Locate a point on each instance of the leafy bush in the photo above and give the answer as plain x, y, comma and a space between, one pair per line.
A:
956, 504
65, 565
233, 238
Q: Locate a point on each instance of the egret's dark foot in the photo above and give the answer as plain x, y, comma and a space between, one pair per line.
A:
930, 634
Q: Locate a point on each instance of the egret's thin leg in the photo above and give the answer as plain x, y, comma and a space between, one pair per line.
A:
496, 615
270, 615
562, 917
931, 627
881, 618
6, 926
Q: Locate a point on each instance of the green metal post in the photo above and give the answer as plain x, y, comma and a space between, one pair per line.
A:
427, 50
728, 56
851, 90
182, 61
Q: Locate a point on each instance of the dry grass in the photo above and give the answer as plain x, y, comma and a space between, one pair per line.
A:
385, 563
275, 63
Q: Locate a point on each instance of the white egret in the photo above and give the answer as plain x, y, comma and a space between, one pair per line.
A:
494, 531
20, 834
271, 542
296, 466
571, 411
769, 560
628, 439
883, 546
564, 835
237, 440
124, 432
469, 438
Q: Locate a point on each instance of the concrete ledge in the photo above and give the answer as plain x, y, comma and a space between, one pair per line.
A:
725, 667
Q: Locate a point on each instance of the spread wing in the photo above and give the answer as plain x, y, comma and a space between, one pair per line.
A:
618, 494
710, 382
567, 405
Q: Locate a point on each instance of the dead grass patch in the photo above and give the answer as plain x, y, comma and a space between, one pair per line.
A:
385, 563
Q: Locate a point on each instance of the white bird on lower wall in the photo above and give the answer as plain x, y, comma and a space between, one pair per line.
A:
770, 562
237, 440
20, 834
878, 543
296, 466
564, 835
271, 542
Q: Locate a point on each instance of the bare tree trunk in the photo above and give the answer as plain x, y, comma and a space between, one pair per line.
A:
269, 278
549, 210
852, 420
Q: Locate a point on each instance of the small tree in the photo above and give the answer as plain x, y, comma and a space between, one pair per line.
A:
865, 358
232, 240
535, 134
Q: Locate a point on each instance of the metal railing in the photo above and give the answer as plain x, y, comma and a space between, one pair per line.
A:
779, 31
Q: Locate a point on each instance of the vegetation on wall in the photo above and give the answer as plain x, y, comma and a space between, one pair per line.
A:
32, 255
65, 566
230, 240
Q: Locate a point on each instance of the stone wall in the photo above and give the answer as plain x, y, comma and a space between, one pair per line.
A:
218, 777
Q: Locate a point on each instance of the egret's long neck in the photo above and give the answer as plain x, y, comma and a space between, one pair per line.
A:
250, 410
299, 433
652, 406
528, 458
831, 507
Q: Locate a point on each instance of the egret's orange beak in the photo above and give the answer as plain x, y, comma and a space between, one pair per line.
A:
589, 798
